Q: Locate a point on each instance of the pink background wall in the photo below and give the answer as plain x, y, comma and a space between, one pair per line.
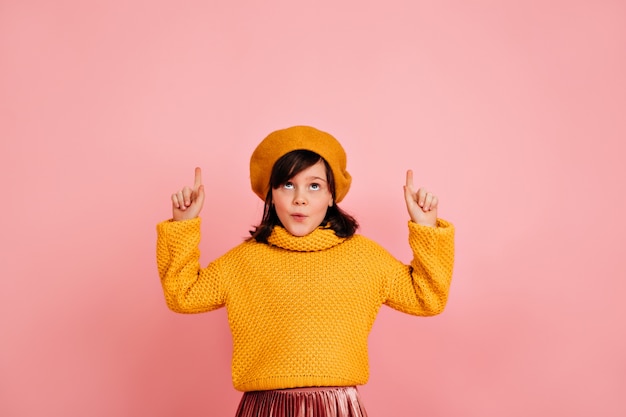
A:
513, 112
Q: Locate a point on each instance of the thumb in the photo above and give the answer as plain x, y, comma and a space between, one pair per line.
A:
408, 196
409, 200
200, 197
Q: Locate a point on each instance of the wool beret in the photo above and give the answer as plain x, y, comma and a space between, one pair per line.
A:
283, 141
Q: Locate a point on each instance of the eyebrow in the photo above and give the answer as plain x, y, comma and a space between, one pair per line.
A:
316, 178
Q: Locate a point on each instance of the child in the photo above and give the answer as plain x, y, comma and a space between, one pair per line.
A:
303, 291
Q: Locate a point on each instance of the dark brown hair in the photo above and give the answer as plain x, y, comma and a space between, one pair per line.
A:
283, 170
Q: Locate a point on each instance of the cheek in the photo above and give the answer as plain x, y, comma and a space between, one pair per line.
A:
329, 199
281, 205
322, 206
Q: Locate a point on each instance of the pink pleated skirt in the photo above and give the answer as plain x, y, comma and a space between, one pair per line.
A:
302, 402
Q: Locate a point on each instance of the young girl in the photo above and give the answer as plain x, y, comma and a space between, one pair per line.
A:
303, 291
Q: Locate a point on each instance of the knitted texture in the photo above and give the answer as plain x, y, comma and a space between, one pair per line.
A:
300, 308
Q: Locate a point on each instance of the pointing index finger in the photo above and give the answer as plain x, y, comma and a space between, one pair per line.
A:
409, 179
198, 178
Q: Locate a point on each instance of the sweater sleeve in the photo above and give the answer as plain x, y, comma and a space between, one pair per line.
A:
187, 287
422, 288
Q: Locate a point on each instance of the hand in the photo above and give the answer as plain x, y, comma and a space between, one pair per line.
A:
421, 205
187, 203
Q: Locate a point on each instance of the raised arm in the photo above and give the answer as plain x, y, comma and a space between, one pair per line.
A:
187, 287
422, 288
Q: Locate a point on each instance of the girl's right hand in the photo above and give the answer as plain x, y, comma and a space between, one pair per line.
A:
187, 203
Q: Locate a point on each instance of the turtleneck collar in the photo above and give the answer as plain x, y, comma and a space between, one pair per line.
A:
319, 239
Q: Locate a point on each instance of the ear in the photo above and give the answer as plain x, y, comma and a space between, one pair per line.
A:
330, 203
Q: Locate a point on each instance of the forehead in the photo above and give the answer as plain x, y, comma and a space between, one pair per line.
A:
317, 170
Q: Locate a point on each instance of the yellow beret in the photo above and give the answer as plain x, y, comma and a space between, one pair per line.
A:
283, 141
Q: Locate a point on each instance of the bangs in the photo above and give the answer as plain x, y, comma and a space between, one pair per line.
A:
293, 163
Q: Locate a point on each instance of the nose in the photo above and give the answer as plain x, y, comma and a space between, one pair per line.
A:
299, 199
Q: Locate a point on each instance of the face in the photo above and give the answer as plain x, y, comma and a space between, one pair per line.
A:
301, 202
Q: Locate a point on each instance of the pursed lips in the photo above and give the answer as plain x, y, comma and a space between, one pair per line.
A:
298, 216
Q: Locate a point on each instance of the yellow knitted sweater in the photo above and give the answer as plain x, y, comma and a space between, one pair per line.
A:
300, 308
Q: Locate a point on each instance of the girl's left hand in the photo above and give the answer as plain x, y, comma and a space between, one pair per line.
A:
421, 205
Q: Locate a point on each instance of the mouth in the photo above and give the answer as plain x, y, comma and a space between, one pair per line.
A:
298, 217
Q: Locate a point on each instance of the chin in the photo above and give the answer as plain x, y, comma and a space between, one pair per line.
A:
299, 232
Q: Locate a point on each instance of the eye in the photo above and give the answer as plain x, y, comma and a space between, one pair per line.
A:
315, 186
288, 185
